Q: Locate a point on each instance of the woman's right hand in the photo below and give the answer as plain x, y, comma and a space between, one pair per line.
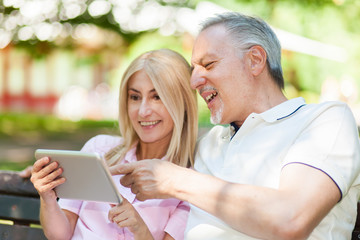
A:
125, 215
45, 177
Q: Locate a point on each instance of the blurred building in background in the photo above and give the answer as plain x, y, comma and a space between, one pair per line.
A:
61, 83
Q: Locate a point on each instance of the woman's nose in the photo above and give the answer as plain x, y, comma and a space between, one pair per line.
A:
145, 109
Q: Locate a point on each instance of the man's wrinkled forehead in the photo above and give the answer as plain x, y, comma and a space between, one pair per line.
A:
210, 44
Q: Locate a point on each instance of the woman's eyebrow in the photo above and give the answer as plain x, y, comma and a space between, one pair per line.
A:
133, 89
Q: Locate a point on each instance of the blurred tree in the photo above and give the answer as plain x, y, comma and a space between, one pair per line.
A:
335, 22
42, 25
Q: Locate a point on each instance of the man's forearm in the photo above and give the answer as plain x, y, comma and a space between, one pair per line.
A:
285, 213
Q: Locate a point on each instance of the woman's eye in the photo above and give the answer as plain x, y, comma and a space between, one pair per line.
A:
134, 97
156, 97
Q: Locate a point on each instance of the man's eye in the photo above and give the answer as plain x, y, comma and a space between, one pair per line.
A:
208, 65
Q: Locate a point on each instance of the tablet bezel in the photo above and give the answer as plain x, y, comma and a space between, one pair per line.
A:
86, 171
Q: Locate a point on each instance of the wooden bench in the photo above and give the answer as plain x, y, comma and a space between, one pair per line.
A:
19, 208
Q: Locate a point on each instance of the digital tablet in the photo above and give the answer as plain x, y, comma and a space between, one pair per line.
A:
87, 176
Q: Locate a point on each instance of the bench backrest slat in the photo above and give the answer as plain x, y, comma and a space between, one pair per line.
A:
18, 232
23, 210
20, 204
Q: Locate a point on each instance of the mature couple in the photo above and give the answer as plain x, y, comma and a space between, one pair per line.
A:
282, 169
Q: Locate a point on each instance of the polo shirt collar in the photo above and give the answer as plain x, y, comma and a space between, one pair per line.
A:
283, 110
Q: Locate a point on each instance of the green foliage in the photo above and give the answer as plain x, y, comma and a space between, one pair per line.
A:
153, 40
27, 132
15, 125
14, 166
204, 113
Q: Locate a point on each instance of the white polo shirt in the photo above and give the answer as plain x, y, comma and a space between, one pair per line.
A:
323, 136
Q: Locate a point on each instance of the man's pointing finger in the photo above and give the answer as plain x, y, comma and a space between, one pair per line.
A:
121, 169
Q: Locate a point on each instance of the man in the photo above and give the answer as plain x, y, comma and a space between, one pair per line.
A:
284, 169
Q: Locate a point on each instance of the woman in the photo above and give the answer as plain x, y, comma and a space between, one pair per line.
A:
157, 119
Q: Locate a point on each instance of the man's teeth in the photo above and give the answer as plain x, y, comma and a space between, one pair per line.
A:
211, 96
148, 123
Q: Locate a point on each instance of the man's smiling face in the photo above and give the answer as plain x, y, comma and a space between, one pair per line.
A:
221, 76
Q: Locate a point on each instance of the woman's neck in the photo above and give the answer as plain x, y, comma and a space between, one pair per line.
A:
151, 150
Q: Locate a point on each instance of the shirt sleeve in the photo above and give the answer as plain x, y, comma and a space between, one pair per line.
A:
330, 143
177, 221
101, 144
70, 205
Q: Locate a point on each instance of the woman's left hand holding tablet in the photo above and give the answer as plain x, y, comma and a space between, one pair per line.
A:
45, 177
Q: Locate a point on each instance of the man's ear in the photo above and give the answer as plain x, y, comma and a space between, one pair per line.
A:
257, 56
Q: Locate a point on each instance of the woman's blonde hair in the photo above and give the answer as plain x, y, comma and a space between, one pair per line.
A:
170, 75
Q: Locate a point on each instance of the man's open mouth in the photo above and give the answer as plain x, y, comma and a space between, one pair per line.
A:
210, 97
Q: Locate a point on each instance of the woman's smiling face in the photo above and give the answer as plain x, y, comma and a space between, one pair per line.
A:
148, 115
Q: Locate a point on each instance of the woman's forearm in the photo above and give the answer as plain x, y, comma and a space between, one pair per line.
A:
54, 221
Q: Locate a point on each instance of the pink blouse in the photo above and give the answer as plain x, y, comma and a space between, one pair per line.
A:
160, 215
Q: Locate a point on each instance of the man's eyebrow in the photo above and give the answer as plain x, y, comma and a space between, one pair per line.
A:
206, 57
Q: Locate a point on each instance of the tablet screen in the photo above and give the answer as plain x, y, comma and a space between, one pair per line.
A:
87, 176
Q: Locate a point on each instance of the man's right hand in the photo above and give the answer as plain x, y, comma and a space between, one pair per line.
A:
149, 179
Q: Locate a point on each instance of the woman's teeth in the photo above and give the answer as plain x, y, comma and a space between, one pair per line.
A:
149, 123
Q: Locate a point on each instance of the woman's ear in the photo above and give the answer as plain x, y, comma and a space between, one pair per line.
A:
257, 56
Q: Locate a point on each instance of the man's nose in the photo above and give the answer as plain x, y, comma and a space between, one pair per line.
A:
145, 109
197, 79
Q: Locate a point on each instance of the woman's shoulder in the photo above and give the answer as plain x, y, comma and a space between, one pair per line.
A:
102, 143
